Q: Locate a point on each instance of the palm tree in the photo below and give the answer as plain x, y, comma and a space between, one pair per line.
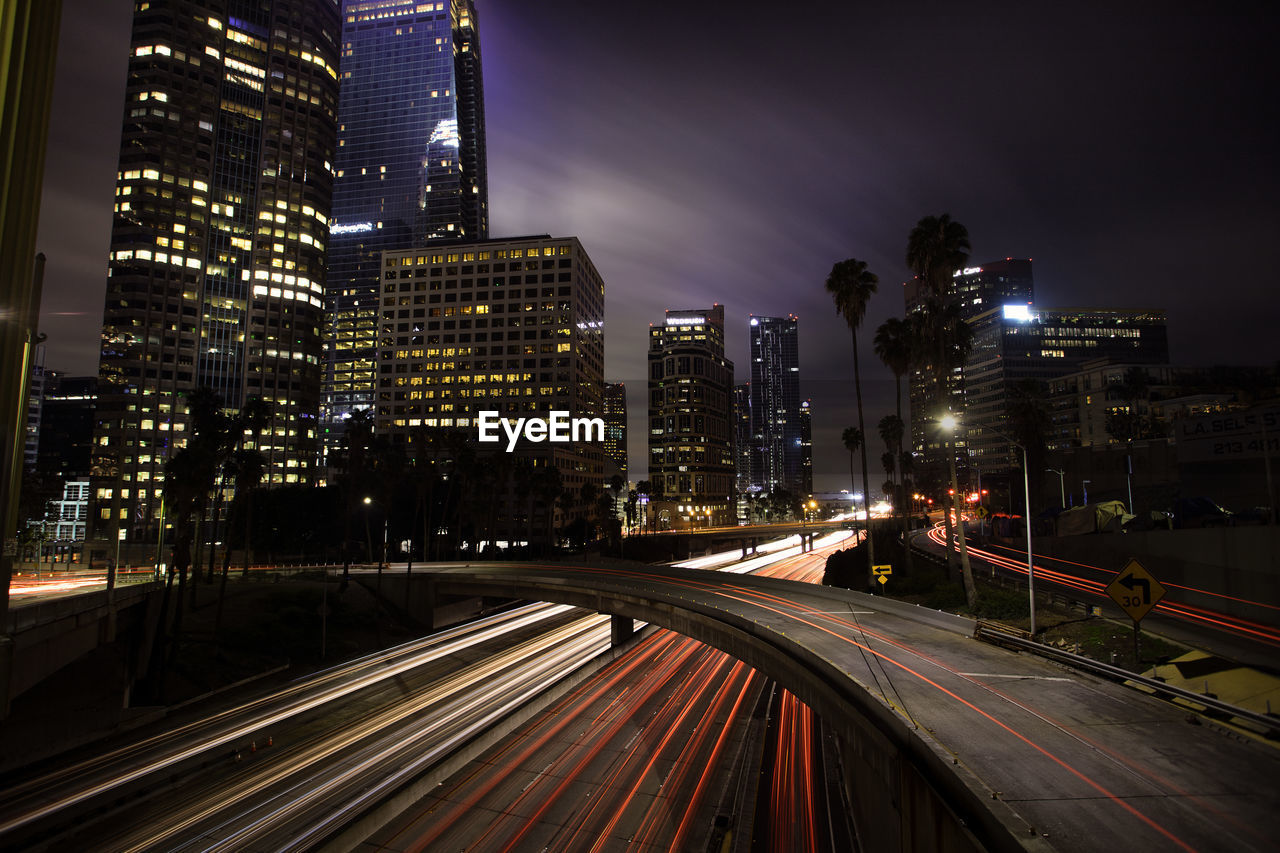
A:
852, 440
893, 345
851, 285
247, 468
936, 247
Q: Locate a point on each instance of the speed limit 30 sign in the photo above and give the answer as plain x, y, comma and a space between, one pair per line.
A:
1135, 590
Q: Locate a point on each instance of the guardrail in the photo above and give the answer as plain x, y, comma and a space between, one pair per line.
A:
1266, 725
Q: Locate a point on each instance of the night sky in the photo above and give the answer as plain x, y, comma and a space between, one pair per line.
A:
732, 152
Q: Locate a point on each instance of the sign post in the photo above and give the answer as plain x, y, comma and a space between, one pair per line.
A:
1136, 591
882, 573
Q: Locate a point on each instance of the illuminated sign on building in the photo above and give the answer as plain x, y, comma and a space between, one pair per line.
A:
354, 228
1021, 313
966, 271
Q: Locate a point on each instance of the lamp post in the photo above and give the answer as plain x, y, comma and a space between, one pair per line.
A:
1026, 498
1062, 485
949, 423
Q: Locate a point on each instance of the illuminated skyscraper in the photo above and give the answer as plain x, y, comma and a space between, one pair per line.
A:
615, 425
410, 168
777, 452
690, 414
514, 326
974, 290
217, 247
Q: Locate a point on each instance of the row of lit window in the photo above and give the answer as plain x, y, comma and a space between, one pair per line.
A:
469, 257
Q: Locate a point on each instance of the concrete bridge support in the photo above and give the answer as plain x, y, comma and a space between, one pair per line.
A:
621, 629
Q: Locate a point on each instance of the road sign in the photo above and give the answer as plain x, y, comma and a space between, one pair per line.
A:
982, 512
1135, 590
882, 570
884, 579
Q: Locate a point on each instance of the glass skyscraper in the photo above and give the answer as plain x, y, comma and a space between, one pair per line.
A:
217, 246
410, 168
777, 443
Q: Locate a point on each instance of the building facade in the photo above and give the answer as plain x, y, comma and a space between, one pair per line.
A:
67, 417
973, 291
806, 447
1014, 344
216, 272
410, 169
513, 326
615, 426
690, 418
777, 443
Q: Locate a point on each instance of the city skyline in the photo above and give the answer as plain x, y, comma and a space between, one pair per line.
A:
1094, 150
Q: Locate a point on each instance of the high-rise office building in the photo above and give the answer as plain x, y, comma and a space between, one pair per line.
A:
410, 168
216, 272
1015, 343
615, 426
973, 290
66, 426
514, 326
806, 447
690, 410
777, 453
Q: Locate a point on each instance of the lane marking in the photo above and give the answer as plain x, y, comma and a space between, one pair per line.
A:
1012, 675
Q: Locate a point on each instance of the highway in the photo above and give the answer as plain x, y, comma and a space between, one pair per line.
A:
662, 750
272, 772
656, 753
1080, 763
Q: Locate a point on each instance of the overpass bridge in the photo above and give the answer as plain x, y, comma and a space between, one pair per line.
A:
948, 743
688, 543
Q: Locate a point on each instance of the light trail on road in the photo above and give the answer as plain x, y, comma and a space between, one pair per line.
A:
1003, 721
635, 757
1246, 628
113, 773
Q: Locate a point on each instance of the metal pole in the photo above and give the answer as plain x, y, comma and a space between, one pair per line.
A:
1031, 568
1128, 479
1266, 466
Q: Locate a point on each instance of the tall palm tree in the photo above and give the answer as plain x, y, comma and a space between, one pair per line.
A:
852, 440
246, 468
893, 345
936, 247
851, 285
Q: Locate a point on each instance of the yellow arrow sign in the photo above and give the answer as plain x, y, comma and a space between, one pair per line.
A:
1135, 590
882, 570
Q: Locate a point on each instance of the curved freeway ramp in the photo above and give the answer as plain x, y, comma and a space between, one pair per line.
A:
950, 744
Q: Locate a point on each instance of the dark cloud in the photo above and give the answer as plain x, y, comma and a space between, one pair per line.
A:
713, 152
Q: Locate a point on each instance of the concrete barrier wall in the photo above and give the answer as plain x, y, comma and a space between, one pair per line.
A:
47, 636
1240, 564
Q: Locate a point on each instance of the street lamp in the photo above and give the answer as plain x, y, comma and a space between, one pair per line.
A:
949, 423
1026, 497
1062, 485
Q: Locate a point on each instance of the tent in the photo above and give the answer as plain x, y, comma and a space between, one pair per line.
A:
1104, 516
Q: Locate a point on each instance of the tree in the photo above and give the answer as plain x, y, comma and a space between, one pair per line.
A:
851, 285
852, 440
1029, 424
247, 468
893, 345
936, 247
